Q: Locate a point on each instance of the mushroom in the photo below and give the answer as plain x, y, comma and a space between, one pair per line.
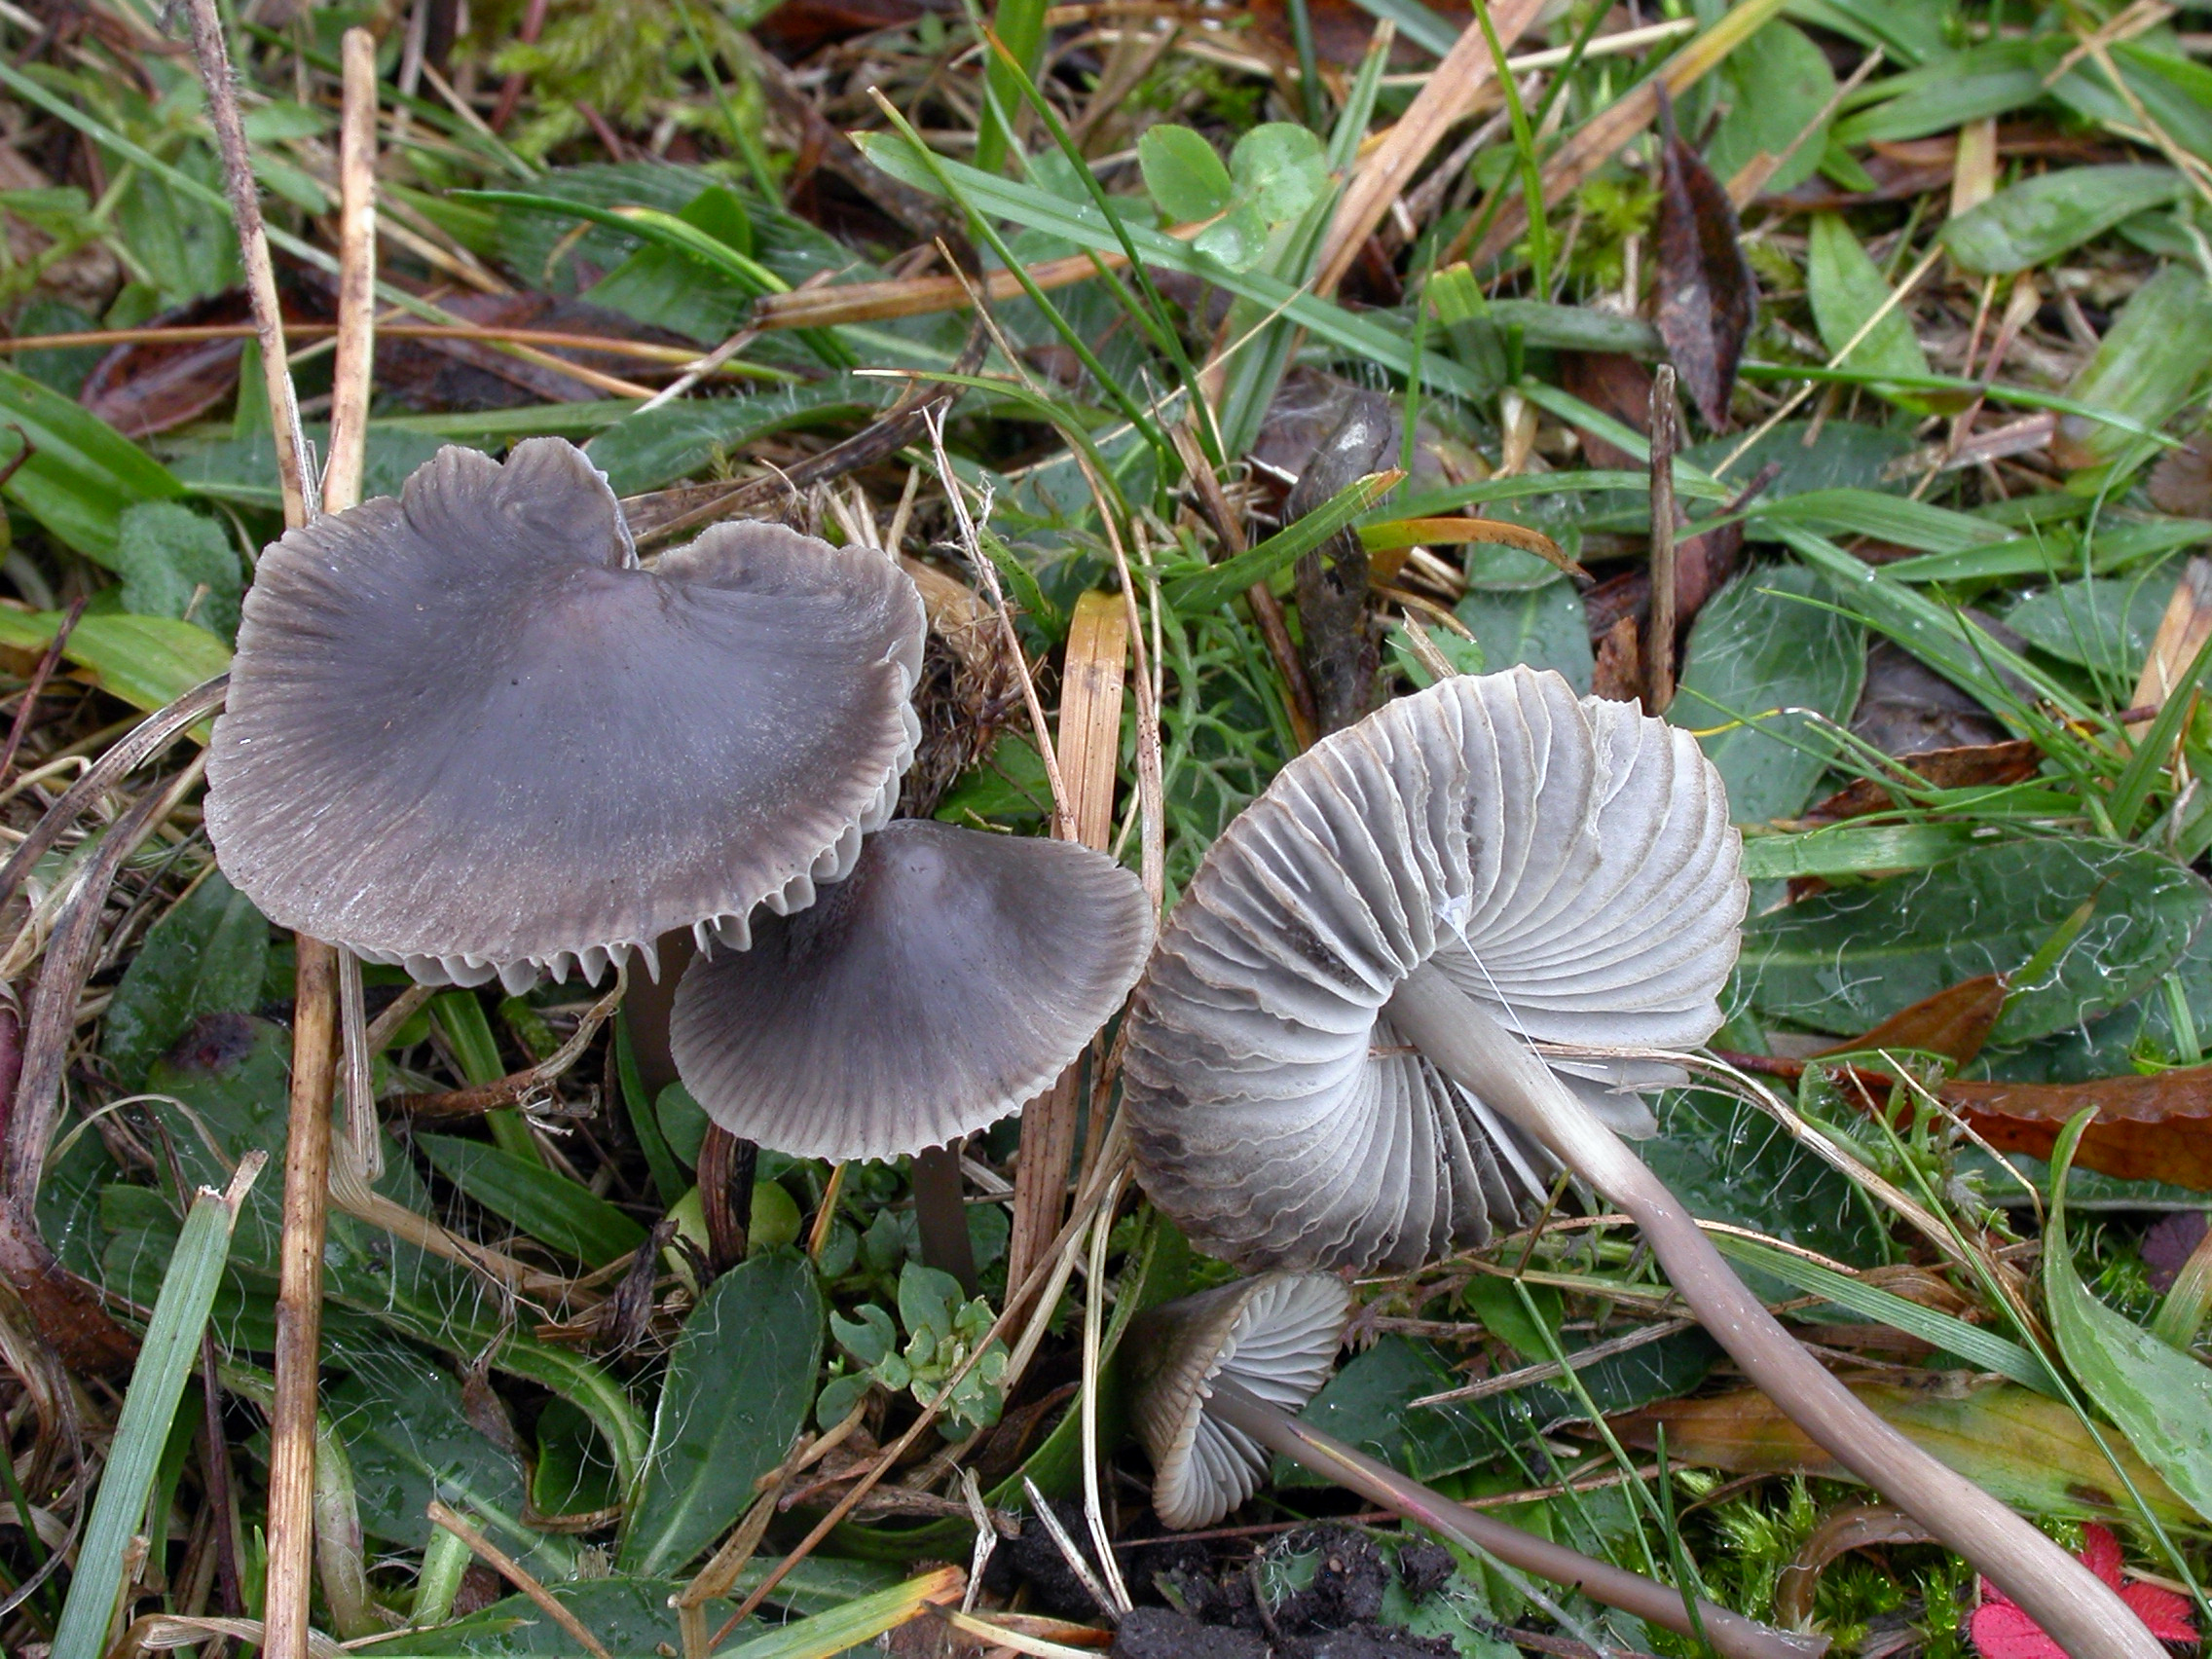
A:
1215, 1380
1334, 1042
950, 977
468, 733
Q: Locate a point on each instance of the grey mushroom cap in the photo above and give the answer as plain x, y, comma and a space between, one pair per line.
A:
948, 979
1565, 863
1276, 1334
468, 734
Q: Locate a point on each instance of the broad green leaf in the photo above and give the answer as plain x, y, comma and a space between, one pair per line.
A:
209, 955
60, 367
573, 1473
1541, 626
549, 1206
1239, 238
665, 289
184, 242
1758, 653
84, 473
740, 1379
165, 1359
147, 661
1729, 1161
2160, 1396
410, 1440
2144, 368
178, 562
1186, 179
1846, 959
1778, 83
1832, 455
2099, 622
2036, 220
1279, 169
1847, 290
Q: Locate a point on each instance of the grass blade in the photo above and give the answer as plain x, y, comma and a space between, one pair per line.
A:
156, 1384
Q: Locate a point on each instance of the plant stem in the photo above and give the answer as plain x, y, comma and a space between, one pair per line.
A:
2079, 1612
1732, 1635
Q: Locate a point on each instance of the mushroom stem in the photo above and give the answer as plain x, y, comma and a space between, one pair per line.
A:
2079, 1612
1732, 1635
941, 1215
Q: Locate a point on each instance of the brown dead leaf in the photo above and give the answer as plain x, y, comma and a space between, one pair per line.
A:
151, 385
1614, 384
1954, 1022
1618, 674
1342, 30
1982, 765
1853, 1527
2153, 1127
1707, 295
2181, 483
798, 28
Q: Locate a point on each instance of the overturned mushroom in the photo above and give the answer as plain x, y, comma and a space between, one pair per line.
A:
1347, 1001
950, 977
1217, 1377
467, 733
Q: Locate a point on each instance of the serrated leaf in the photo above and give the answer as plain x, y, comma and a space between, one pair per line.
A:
2161, 1397
740, 1381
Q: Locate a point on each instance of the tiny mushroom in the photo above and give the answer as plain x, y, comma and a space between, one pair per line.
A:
469, 734
1336, 1039
950, 977
1215, 1380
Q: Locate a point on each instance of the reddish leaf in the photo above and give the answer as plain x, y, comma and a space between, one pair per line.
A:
798, 28
1954, 1022
1342, 30
2001, 1630
2182, 482
1614, 384
2149, 1129
2168, 1246
1706, 293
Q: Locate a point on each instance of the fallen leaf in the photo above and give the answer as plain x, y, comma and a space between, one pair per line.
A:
2168, 1246
2181, 483
146, 386
798, 28
1954, 1022
1707, 295
1907, 708
2155, 1127
2002, 1630
1614, 384
1854, 1526
1342, 30
1342, 657
1979, 765
2026, 1448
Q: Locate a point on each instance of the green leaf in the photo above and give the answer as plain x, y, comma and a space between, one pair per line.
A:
1239, 238
1758, 649
410, 1440
1846, 959
2036, 220
1540, 626
573, 1473
1232, 576
1849, 849
2144, 368
176, 563
740, 1381
1846, 290
1778, 83
2100, 623
1278, 168
1185, 178
551, 1207
2161, 1397
645, 450
209, 955
1946, 92
147, 661
867, 1339
926, 1298
167, 1356
83, 472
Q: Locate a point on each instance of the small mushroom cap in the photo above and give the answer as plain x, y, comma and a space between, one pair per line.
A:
467, 733
1567, 863
1276, 1334
952, 976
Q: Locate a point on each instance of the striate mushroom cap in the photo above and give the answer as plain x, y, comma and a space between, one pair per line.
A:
950, 977
1276, 1334
467, 733
1567, 863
